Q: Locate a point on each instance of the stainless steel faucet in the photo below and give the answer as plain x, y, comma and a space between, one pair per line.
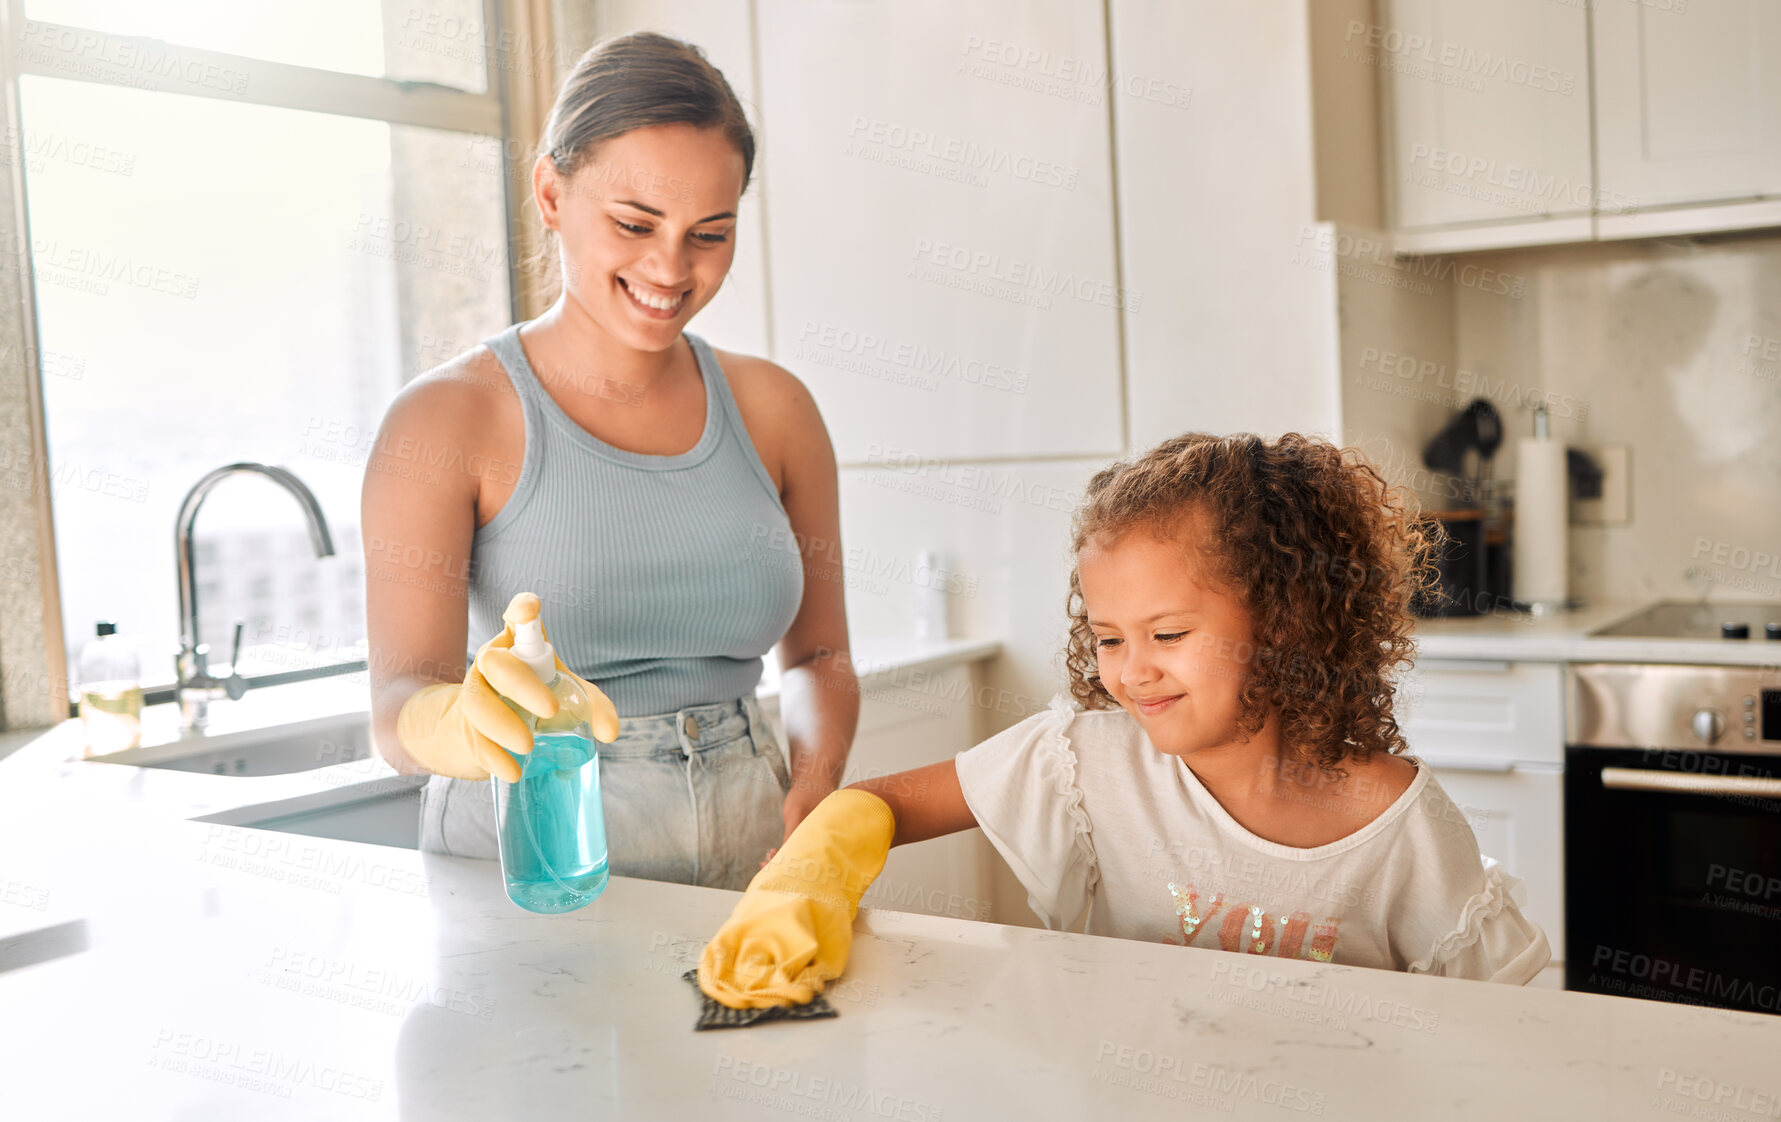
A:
192, 668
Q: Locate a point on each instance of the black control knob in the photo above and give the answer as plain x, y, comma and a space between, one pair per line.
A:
1731, 630
1771, 630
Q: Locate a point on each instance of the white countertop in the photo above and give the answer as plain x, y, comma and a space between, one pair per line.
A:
190, 971
1564, 637
885, 660
51, 756
170, 969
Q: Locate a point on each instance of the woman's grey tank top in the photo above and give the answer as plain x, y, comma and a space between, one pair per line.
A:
664, 578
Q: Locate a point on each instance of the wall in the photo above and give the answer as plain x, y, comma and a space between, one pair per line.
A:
1671, 348
1394, 320
1675, 349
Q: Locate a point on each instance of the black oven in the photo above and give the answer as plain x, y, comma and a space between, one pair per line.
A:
1673, 834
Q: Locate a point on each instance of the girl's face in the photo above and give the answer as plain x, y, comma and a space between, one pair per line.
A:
1172, 642
647, 227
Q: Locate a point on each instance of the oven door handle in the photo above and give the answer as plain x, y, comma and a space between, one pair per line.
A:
1639, 779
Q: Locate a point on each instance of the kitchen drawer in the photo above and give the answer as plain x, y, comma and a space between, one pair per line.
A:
909, 696
942, 697
1483, 716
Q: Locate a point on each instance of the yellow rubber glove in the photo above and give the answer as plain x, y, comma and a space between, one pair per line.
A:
792, 929
466, 731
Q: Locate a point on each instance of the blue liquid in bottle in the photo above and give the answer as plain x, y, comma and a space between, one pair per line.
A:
551, 826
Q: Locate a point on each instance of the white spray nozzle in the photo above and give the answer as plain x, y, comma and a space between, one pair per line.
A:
530, 648
528, 639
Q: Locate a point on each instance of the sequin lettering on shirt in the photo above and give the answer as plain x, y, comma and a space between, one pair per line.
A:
1187, 910
1323, 939
1247, 929
1250, 929
1292, 935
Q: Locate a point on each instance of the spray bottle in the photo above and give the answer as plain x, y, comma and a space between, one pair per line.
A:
551, 828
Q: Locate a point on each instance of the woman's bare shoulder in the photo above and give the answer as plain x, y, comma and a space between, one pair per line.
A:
781, 415
469, 380
459, 395
763, 382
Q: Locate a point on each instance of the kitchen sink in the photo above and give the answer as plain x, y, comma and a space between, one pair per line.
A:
381, 812
357, 797
299, 746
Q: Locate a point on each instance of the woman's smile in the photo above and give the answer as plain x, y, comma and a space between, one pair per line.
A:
653, 305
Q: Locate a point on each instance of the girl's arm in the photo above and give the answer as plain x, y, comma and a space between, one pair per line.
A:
926, 801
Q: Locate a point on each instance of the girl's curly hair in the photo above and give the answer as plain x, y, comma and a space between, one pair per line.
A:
1322, 552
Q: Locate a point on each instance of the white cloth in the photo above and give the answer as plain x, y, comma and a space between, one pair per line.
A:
1111, 836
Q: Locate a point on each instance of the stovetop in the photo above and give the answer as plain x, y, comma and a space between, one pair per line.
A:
1731, 621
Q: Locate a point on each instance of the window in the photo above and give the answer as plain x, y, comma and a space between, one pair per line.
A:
443, 41
245, 236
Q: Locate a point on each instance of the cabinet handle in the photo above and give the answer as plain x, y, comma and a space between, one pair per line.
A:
1639, 779
1465, 665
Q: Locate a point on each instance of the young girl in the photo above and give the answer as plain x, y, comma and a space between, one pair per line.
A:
1236, 779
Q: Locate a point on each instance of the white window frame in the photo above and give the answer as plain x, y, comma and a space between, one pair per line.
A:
59, 50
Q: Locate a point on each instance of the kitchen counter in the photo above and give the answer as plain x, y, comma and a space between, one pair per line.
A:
48, 760
49, 795
196, 970
1564, 637
169, 969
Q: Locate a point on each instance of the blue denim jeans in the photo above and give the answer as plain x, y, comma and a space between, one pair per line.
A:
694, 796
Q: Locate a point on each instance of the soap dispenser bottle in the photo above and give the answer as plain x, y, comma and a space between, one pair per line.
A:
550, 826
110, 677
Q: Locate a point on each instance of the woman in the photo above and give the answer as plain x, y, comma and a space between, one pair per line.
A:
674, 506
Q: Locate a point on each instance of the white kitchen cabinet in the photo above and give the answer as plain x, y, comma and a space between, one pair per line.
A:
916, 718
938, 187
1487, 119
1688, 110
1236, 330
1494, 734
1484, 714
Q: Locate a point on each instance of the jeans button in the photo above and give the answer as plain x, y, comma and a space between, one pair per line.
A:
691, 727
